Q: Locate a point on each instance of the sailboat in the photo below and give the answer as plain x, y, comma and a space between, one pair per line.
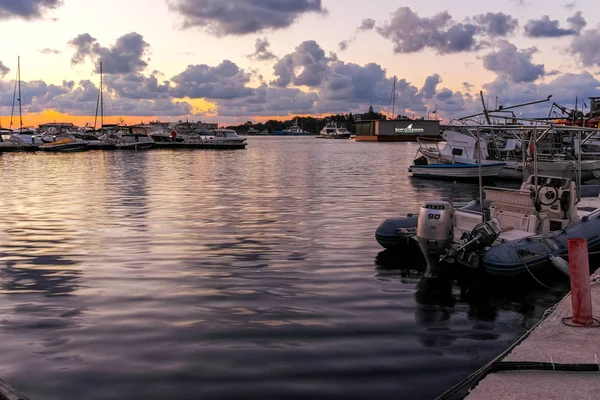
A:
23, 139
120, 136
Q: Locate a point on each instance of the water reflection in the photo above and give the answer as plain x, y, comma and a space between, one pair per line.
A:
142, 274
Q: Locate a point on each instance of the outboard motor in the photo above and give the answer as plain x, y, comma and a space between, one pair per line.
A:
481, 237
434, 232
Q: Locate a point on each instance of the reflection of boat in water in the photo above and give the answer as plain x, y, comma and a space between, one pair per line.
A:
515, 232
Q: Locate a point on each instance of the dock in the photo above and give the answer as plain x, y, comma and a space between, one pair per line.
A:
552, 361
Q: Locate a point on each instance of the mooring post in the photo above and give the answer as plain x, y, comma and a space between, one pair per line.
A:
581, 295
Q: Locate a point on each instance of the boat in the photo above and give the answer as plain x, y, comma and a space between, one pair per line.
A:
224, 139
332, 131
515, 231
455, 171
64, 145
23, 139
295, 130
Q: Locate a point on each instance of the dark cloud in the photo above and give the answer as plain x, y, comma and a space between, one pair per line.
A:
577, 22
137, 86
545, 27
513, 64
430, 87
411, 33
554, 72
467, 86
124, 57
586, 47
81, 99
262, 51
367, 24
267, 101
3, 69
306, 66
564, 88
28, 9
50, 51
240, 17
496, 24
225, 81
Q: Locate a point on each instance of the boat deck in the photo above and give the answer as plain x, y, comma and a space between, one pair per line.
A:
551, 342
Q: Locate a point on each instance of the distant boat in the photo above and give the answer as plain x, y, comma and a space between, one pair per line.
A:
225, 138
294, 130
332, 131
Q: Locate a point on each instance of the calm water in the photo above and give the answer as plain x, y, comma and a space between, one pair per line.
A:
253, 273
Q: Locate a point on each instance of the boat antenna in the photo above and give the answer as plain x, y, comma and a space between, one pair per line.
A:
19, 76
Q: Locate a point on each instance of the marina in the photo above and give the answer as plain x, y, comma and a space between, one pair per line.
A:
298, 200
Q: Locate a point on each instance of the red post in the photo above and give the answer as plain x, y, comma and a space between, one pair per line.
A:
579, 269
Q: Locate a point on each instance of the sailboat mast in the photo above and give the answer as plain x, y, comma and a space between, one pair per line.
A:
19, 80
101, 100
394, 100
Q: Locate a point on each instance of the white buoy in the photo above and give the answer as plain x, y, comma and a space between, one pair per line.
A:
560, 264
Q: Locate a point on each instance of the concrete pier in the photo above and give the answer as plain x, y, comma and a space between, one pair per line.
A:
558, 346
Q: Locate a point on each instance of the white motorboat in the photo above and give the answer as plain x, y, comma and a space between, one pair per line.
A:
455, 171
332, 131
223, 138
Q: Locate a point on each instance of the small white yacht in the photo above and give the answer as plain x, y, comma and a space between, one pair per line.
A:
332, 131
225, 138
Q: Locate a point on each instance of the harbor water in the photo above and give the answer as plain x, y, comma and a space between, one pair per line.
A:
235, 274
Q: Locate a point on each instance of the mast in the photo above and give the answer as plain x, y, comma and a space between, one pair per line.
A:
19, 80
12, 110
101, 100
394, 99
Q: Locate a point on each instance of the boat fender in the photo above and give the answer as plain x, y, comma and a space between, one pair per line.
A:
560, 264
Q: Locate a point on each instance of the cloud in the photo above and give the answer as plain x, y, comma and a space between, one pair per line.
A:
367, 24
514, 64
430, 86
28, 9
586, 47
267, 101
467, 86
546, 28
225, 81
571, 5
262, 51
306, 66
3, 69
496, 24
564, 88
411, 33
241, 17
137, 86
50, 51
124, 57
577, 22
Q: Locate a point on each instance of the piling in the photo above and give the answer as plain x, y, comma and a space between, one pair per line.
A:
581, 295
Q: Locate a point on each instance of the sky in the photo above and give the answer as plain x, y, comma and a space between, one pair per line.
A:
238, 60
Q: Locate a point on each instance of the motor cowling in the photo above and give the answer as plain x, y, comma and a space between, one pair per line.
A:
434, 232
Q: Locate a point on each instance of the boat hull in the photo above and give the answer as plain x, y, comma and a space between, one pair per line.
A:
389, 235
65, 148
135, 146
526, 255
456, 171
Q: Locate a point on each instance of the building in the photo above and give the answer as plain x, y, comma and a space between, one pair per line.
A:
398, 130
